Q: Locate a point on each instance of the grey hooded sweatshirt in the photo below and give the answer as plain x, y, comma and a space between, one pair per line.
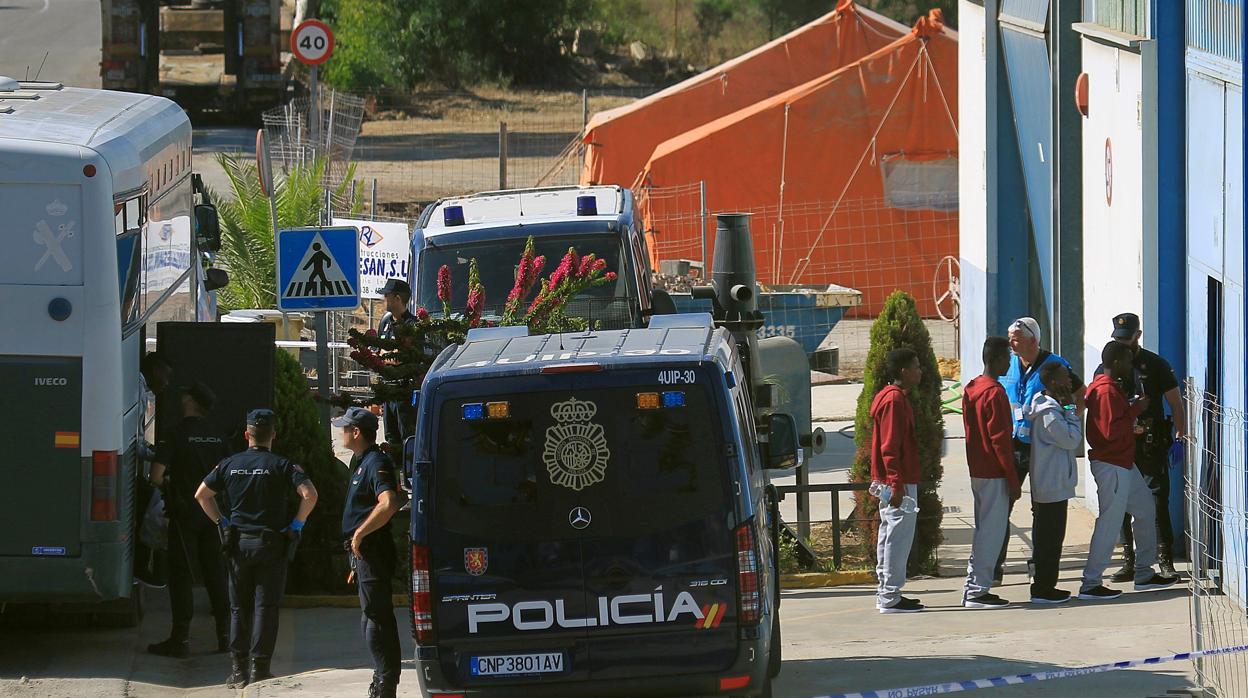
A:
1056, 434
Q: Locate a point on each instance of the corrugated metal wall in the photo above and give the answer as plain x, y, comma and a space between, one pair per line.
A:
1215, 26
1127, 16
1033, 11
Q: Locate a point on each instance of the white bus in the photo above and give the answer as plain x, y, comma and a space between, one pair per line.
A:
96, 225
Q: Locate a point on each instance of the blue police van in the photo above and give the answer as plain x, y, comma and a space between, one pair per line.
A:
590, 516
492, 228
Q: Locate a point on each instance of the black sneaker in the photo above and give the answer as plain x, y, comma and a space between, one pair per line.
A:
985, 601
1125, 574
1099, 593
1167, 568
178, 649
1156, 582
903, 606
1051, 597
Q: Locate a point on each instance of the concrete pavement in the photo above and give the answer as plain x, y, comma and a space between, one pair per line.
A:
66, 31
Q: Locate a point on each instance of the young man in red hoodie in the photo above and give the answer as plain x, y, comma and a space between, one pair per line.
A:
1120, 488
994, 480
895, 476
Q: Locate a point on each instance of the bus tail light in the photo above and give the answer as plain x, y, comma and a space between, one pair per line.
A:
104, 486
422, 596
749, 596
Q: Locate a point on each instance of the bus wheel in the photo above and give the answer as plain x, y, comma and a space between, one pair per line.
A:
122, 613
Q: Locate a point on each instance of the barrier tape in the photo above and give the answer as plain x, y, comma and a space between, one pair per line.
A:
935, 689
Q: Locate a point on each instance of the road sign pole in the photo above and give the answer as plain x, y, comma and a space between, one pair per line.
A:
314, 112
323, 380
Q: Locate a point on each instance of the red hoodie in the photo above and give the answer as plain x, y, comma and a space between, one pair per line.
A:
989, 430
1111, 423
894, 451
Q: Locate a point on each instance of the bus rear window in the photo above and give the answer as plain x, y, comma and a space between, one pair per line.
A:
637, 468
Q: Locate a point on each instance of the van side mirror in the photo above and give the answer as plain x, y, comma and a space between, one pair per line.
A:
215, 278
207, 228
782, 445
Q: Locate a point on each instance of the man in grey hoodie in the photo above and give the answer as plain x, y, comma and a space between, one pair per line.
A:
1056, 434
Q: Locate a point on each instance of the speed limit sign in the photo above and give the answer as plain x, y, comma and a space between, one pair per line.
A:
312, 42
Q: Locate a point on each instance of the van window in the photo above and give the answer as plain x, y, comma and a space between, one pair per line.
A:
504, 478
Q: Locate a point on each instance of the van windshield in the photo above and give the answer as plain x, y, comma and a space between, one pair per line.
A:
637, 470
496, 262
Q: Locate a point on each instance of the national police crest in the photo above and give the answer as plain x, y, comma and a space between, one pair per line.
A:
576, 452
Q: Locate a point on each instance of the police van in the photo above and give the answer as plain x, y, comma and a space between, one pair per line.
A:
590, 516
492, 228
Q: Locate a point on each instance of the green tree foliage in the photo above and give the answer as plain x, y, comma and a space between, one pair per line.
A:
369, 49
247, 228
897, 326
907, 11
320, 566
398, 43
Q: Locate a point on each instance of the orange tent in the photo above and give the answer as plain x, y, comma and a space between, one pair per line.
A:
619, 140
852, 176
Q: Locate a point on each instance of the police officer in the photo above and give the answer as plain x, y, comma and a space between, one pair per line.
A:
400, 418
182, 461
372, 499
257, 534
1155, 433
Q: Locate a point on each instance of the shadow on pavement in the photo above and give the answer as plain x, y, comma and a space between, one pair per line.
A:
815, 677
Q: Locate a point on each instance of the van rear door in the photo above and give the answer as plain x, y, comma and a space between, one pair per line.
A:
507, 573
661, 559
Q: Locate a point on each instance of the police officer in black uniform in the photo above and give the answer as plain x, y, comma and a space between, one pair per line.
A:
400, 418
373, 497
1155, 433
258, 535
182, 461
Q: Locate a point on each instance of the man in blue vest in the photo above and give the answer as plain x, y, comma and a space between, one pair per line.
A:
1022, 383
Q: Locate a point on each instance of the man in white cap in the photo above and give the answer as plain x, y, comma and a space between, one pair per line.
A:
1022, 383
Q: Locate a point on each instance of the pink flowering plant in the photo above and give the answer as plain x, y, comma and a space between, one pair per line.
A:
401, 362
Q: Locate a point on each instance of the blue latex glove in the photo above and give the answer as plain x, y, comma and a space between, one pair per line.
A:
224, 522
295, 525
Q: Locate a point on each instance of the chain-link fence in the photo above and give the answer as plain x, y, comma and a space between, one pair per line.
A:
1216, 484
864, 245
296, 132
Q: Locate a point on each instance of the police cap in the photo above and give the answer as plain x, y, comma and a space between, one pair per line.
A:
1126, 325
396, 286
356, 417
260, 418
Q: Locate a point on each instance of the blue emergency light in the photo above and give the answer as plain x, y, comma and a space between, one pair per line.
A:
473, 411
453, 215
673, 398
587, 205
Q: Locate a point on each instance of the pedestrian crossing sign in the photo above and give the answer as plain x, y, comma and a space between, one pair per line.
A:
318, 269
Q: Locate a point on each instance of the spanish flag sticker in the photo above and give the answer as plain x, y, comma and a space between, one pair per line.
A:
67, 439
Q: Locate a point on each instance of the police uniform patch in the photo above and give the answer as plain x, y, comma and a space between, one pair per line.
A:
576, 452
476, 561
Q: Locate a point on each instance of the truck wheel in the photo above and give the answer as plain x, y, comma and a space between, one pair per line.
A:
122, 613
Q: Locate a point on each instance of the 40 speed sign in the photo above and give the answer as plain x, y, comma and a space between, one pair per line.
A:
312, 42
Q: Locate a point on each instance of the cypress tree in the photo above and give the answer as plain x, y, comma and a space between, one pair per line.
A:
897, 326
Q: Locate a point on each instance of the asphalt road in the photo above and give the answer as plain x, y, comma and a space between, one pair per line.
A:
67, 31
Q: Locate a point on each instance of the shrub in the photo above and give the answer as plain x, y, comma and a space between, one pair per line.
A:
899, 325
320, 566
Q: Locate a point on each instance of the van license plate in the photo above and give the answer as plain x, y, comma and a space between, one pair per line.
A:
513, 664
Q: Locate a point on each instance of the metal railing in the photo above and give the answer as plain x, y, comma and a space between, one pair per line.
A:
806, 555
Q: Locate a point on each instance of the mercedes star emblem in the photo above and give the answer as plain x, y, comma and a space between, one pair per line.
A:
580, 518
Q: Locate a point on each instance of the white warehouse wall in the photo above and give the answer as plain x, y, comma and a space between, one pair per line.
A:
975, 249
1113, 207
